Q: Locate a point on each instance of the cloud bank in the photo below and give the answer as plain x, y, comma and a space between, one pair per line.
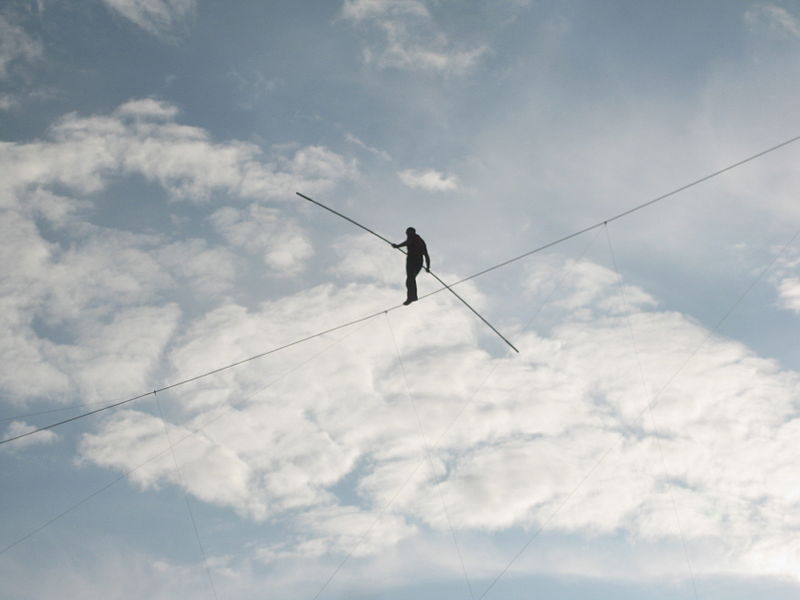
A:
158, 17
683, 417
83, 298
429, 180
403, 35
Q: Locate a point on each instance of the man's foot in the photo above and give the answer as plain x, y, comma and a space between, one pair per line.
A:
409, 301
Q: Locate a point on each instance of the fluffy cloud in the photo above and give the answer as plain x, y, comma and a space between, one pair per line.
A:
785, 280
141, 137
16, 428
203, 269
773, 18
357, 259
408, 38
282, 245
789, 290
352, 139
16, 46
630, 387
158, 17
429, 180
81, 300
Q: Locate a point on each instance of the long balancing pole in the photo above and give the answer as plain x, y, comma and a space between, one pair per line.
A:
451, 290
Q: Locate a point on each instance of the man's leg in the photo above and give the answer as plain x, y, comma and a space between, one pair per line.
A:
412, 270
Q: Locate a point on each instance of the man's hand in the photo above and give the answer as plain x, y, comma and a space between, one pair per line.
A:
395, 246
428, 269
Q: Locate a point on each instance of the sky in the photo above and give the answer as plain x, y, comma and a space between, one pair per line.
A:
642, 444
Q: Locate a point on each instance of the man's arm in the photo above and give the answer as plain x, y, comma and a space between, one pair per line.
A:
400, 245
427, 258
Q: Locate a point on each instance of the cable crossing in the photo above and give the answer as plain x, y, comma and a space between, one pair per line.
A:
446, 287
449, 288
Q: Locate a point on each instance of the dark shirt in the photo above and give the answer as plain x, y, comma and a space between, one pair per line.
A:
416, 249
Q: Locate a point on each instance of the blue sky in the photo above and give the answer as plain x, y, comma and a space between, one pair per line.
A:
641, 445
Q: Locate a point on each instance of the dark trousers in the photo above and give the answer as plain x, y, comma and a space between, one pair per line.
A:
413, 268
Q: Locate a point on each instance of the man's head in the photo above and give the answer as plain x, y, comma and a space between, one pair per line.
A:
411, 231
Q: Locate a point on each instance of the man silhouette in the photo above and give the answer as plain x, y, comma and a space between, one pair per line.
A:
416, 251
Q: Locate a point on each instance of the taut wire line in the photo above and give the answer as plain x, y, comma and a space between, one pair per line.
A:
372, 316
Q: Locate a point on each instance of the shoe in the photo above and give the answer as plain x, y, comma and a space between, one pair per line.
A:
407, 302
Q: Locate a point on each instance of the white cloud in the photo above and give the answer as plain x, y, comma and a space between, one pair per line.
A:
207, 270
585, 287
371, 149
68, 283
253, 87
359, 10
7, 102
282, 245
339, 527
148, 108
16, 428
158, 17
111, 361
784, 278
359, 260
789, 290
104, 360
773, 18
16, 46
273, 453
429, 180
83, 153
408, 38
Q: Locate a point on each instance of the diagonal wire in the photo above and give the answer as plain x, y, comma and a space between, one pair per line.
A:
649, 406
648, 392
428, 454
184, 488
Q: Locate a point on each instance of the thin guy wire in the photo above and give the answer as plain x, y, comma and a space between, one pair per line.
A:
427, 453
182, 485
127, 473
473, 276
649, 406
648, 393
544, 525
